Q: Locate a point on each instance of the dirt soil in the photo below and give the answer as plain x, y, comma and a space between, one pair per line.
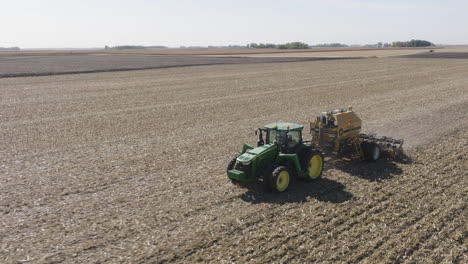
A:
370, 53
438, 55
211, 51
26, 66
129, 167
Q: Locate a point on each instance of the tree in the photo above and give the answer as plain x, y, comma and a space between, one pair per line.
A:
282, 46
297, 45
254, 45
412, 43
330, 45
291, 45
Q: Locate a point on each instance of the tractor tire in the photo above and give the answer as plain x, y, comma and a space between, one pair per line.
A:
279, 180
237, 183
371, 151
313, 161
231, 164
266, 179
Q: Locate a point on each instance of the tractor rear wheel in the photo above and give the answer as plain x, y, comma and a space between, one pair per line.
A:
280, 179
313, 162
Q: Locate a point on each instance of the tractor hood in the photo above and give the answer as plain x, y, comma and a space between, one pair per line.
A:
251, 154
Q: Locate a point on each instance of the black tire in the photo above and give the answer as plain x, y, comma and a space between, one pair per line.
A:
305, 160
231, 164
238, 183
372, 151
279, 180
266, 179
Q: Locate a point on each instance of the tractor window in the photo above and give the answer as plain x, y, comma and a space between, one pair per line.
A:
272, 136
294, 137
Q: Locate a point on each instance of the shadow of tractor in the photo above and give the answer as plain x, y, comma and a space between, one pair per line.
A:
371, 171
325, 190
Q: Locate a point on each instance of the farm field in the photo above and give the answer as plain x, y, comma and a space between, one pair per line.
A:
129, 166
438, 55
222, 51
24, 66
346, 53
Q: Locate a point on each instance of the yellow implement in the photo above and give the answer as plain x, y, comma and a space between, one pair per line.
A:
339, 132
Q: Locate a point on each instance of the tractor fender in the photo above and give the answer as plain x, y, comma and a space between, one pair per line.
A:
246, 147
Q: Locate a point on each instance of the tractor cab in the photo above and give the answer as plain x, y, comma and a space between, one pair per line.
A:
288, 136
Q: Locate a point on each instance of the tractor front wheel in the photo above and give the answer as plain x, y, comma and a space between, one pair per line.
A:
231, 164
280, 179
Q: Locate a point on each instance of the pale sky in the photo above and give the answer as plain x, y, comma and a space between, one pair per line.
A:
86, 23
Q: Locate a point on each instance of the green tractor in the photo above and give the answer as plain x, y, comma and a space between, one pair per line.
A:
278, 157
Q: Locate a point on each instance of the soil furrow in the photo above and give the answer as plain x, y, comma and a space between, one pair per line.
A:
129, 167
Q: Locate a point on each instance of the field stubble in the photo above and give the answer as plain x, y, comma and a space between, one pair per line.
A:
129, 166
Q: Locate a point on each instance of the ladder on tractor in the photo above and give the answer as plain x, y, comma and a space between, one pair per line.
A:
358, 153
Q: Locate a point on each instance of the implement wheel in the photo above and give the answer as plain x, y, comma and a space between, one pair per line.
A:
313, 161
279, 179
371, 151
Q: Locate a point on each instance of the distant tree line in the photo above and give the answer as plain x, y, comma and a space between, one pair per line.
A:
330, 45
290, 45
293, 45
228, 47
261, 46
10, 49
378, 45
412, 43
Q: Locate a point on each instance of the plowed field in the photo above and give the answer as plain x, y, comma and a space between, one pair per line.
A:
26, 66
129, 167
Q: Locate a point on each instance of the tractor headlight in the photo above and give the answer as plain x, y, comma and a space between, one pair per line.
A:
246, 163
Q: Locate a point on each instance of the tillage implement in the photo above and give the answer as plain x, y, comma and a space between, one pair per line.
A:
282, 154
338, 133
